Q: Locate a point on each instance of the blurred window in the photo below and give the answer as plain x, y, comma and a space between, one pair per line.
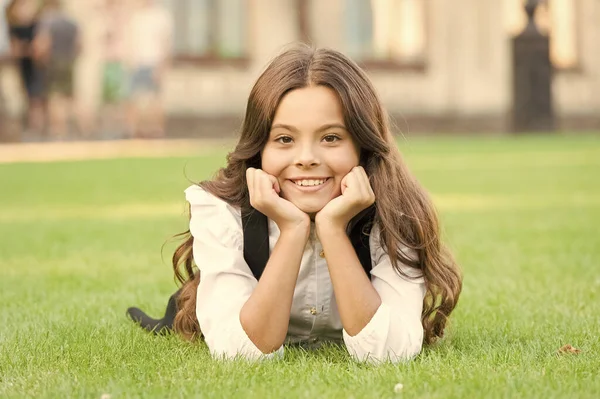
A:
209, 28
374, 31
4, 41
557, 18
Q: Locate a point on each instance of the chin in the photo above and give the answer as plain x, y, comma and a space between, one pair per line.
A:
310, 209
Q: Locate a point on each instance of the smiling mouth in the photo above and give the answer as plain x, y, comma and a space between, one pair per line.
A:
310, 182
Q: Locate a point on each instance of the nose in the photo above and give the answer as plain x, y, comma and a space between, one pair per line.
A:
307, 156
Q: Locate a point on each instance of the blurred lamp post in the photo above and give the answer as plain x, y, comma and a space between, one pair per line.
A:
532, 78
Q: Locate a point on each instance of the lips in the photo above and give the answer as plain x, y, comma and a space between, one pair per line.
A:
309, 182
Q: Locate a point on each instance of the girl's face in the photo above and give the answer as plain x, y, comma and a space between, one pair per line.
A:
309, 150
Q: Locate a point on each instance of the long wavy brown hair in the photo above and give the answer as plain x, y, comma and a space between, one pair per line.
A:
404, 211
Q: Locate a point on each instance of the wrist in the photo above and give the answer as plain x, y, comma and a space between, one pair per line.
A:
327, 227
297, 231
325, 222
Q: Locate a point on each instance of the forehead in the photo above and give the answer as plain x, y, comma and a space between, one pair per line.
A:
309, 107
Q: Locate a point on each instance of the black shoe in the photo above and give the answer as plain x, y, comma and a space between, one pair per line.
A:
156, 326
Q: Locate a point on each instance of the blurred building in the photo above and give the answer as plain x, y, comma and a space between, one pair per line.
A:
439, 65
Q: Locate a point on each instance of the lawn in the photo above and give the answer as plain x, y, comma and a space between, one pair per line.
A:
81, 241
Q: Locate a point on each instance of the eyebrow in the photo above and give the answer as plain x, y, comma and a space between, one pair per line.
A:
321, 129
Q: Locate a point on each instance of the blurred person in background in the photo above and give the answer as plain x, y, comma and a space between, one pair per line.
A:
23, 18
113, 73
149, 37
57, 44
4, 54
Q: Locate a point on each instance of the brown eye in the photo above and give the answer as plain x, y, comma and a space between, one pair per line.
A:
284, 140
331, 138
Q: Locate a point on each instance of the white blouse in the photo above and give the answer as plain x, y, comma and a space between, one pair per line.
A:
394, 333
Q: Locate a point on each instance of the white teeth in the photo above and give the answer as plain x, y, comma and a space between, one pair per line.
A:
310, 182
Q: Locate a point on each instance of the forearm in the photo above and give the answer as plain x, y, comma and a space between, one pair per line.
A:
265, 316
356, 297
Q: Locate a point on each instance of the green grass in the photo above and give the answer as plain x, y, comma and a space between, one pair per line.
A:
81, 241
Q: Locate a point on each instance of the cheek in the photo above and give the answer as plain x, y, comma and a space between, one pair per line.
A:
344, 162
272, 162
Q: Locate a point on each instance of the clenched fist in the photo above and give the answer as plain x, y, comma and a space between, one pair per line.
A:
264, 196
357, 195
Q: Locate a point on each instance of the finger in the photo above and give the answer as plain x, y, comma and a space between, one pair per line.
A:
250, 173
265, 183
370, 194
353, 183
262, 184
251, 184
363, 181
360, 178
258, 176
359, 189
250, 179
344, 184
275, 183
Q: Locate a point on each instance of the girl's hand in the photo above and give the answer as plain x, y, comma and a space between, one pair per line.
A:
357, 195
264, 197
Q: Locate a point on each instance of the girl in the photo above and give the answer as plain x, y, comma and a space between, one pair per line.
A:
315, 152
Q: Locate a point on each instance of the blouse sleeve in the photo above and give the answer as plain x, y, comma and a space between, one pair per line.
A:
226, 281
395, 332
